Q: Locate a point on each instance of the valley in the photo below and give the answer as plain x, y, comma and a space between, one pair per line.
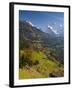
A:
41, 55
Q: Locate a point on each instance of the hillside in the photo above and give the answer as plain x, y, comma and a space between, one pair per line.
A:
41, 54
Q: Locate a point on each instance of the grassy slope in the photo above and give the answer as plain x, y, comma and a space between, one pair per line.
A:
43, 69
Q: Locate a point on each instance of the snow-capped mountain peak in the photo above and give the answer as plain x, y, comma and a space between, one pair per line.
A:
51, 30
50, 27
54, 31
31, 23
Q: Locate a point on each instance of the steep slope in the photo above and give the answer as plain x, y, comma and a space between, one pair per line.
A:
42, 67
31, 36
40, 53
29, 31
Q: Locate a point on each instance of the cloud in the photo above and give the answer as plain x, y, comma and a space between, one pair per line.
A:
61, 25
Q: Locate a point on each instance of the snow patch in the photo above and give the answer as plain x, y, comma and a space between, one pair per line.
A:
31, 23
51, 28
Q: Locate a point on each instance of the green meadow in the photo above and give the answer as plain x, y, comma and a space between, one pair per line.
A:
36, 64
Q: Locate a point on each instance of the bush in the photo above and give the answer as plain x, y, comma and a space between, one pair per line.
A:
36, 62
51, 75
22, 62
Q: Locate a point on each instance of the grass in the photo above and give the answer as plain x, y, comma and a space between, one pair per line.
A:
43, 69
29, 74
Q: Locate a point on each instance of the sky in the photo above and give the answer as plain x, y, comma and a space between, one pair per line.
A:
43, 19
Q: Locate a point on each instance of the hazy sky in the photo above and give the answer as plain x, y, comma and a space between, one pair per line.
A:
43, 19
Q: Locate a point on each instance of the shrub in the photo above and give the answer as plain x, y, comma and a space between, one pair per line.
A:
36, 62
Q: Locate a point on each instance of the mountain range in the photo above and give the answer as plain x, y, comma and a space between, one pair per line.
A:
29, 33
